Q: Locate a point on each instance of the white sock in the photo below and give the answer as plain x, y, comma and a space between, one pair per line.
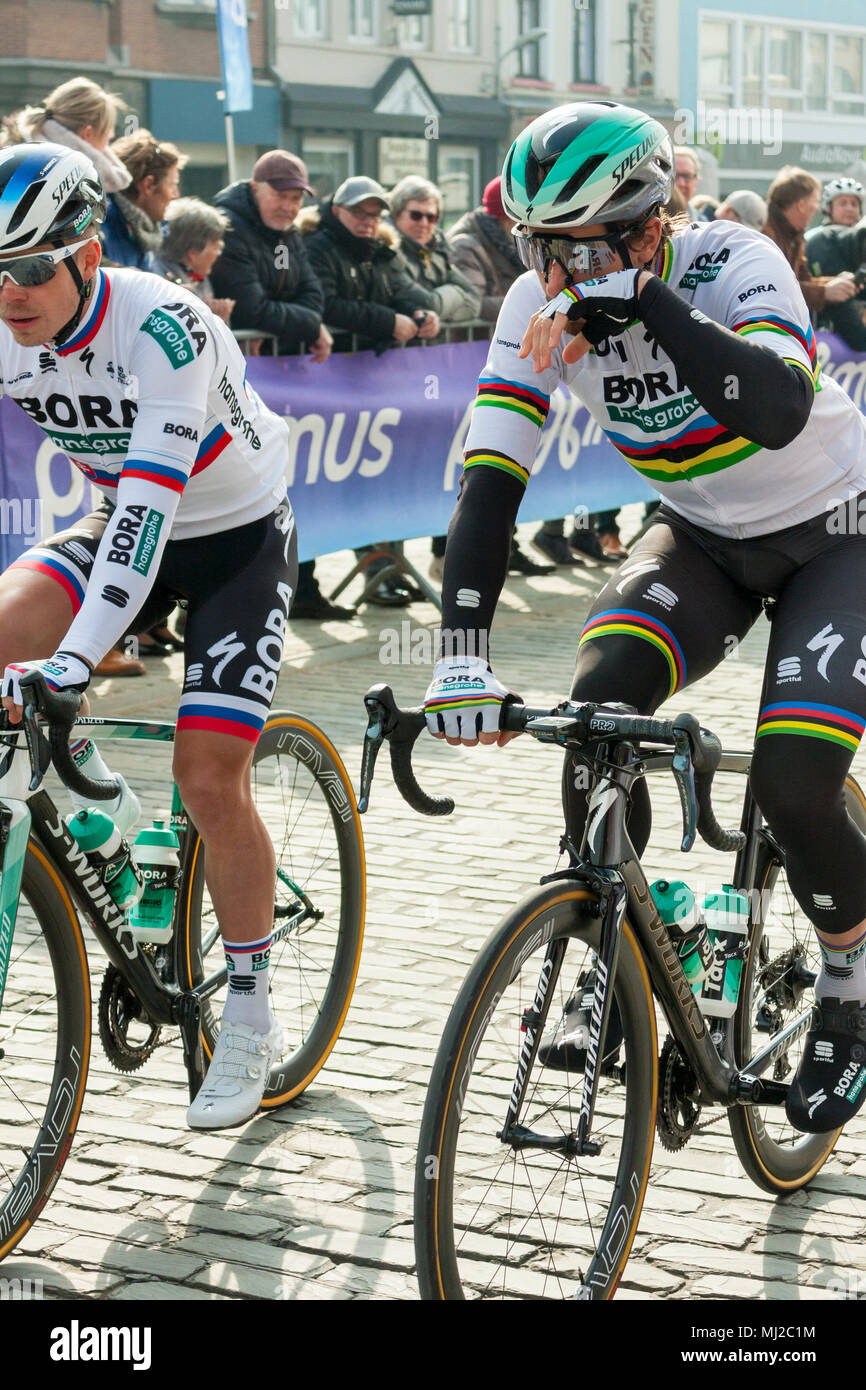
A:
247, 1000
88, 758
843, 971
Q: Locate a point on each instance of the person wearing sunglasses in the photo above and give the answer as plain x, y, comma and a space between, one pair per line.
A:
416, 212
144, 389
693, 350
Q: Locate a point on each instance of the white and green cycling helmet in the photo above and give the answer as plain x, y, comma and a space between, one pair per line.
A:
585, 162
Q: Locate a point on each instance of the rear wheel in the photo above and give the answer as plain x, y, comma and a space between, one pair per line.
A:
777, 985
305, 799
503, 1218
44, 1046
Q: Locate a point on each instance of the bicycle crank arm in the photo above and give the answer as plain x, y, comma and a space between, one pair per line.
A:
518, 1137
188, 1011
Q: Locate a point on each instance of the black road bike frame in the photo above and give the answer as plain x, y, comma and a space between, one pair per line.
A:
608, 738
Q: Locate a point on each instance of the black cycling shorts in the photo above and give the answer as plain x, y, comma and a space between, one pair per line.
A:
238, 586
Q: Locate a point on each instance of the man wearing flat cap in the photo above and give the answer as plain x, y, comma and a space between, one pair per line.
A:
368, 298
264, 265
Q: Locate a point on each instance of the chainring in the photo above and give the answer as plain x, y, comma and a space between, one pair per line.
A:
119, 1009
678, 1112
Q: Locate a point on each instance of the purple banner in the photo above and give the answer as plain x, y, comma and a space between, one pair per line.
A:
375, 449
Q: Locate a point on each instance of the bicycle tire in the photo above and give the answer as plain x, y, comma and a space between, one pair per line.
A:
467, 1101
776, 1156
305, 798
46, 1001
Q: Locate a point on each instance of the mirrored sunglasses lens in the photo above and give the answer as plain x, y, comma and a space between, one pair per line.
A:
28, 271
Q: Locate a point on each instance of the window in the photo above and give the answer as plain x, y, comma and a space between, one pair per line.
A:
529, 54
716, 72
583, 67
310, 19
458, 180
329, 160
784, 83
362, 19
413, 31
847, 74
749, 63
461, 26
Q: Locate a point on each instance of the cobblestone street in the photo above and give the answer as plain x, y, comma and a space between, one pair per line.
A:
315, 1200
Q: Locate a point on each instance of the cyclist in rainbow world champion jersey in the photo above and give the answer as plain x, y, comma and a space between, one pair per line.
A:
693, 350
144, 390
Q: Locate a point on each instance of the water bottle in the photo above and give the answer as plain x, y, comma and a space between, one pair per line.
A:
109, 853
155, 854
686, 928
727, 918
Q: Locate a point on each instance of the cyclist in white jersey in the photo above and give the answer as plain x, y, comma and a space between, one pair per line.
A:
144, 390
692, 348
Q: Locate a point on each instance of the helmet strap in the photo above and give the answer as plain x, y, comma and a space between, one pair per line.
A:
85, 290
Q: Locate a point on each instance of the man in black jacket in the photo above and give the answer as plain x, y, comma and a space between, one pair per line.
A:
369, 299
839, 250
264, 265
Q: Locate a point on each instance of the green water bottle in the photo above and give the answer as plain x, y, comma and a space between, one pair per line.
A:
155, 854
727, 918
100, 839
686, 928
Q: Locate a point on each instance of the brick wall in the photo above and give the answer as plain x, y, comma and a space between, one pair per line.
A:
82, 30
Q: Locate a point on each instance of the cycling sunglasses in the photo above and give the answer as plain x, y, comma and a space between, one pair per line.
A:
29, 271
577, 256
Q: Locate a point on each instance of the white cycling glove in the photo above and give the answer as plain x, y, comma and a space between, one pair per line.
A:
62, 671
464, 698
607, 305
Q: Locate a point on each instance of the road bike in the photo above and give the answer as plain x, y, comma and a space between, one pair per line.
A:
48, 886
530, 1181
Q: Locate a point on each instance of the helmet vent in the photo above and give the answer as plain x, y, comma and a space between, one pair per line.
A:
26, 202
580, 177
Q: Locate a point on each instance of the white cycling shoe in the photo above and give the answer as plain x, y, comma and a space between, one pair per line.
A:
236, 1078
128, 807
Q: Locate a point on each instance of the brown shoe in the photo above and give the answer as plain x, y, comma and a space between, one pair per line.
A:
117, 663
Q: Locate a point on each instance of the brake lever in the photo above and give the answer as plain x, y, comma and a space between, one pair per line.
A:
373, 740
684, 775
37, 745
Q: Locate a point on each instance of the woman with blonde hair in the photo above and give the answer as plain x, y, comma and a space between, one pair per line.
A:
80, 115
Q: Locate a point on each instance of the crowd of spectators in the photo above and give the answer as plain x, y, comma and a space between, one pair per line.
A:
369, 268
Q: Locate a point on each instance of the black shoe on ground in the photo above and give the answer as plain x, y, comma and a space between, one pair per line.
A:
586, 542
521, 564
321, 609
565, 1048
391, 594
556, 548
829, 1085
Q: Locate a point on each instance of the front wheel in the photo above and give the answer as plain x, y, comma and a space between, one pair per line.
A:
305, 799
495, 1218
783, 961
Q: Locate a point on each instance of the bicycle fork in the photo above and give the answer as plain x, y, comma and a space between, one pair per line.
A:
613, 897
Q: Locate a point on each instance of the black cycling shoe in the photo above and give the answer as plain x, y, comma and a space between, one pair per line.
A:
830, 1083
565, 1048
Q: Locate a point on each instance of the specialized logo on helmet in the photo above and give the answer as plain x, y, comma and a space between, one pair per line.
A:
634, 158
72, 178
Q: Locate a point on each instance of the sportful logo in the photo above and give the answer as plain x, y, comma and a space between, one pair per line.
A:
788, 670
660, 593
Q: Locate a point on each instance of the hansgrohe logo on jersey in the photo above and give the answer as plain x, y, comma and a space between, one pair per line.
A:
147, 542
653, 419
171, 336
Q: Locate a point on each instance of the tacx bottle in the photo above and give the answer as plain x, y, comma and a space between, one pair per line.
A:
727, 917
106, 849
686, 928
155, 854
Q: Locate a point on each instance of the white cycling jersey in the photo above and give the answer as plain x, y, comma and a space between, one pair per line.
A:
707, 473
148, 398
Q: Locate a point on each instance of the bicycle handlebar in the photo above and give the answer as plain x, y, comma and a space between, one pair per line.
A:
697, 752
59, 709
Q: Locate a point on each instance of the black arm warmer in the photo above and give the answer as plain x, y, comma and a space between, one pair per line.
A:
476, 559
771, 400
